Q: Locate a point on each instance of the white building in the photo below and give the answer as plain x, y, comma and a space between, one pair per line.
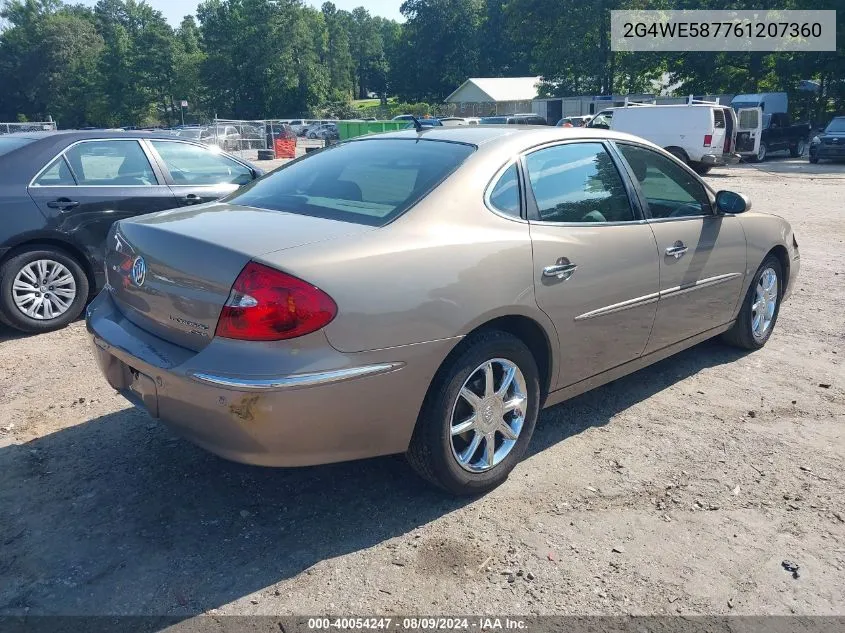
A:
483, 96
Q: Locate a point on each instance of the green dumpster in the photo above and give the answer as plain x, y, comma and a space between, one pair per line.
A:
351, 129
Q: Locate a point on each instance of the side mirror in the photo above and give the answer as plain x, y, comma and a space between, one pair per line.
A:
732, 202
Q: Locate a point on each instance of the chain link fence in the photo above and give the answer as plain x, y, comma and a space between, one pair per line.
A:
29, 126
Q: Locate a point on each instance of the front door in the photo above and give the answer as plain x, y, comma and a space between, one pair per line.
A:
702, 254
595, 259
92, 184
198, 174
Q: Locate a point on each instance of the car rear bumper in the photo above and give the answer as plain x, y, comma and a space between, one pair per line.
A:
327, 408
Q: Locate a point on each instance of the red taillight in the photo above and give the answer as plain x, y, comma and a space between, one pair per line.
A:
268, 305
708, 140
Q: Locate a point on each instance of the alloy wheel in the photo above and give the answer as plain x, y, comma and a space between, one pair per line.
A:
488, 415
765, 304
44, 289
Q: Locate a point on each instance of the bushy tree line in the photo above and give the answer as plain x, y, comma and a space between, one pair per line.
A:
121, 63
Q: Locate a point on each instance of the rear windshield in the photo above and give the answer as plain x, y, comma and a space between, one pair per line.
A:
369, 182
10, 143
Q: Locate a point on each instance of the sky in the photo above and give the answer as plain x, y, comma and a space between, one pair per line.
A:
175, 10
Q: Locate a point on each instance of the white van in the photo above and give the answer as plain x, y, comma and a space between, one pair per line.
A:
700, 134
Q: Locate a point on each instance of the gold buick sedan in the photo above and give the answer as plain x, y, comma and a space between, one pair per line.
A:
428, 292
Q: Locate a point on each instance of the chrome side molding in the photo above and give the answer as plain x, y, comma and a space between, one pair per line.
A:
295, 381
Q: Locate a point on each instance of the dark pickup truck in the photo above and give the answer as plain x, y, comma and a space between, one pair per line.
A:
780, 134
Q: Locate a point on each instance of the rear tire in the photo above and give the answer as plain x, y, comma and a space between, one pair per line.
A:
798, 149
67, 297
762, 152
757, 303
447, 459
814, 159
701, 169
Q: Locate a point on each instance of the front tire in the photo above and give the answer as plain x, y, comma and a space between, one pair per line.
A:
478, 416
760, 309
42, 290
798, 149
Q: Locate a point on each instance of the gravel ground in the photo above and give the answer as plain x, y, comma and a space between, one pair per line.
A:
679, 489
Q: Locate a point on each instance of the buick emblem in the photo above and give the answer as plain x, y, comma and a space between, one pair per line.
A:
139, 271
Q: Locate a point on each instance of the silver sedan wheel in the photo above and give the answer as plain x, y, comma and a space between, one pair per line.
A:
44, 289
765, 303
488, 415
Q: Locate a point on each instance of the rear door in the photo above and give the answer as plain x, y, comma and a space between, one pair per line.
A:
719, 126
197, 174
749, 130
595, 259
94, 183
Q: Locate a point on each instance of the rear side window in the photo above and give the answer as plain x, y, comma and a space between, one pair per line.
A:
56, 175
110, 163
504, 196
367, 182
718, 118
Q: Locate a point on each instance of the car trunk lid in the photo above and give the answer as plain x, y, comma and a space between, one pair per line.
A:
170, 273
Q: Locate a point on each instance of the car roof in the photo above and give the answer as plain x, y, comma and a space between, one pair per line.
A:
80, 135
483, 136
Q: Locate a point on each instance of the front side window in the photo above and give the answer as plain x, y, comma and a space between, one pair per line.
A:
578, 182
193, 165
56, 175
369, 181
670, 190
504, 196
110, 163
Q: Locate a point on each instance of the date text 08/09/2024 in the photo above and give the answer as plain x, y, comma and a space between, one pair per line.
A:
417, 624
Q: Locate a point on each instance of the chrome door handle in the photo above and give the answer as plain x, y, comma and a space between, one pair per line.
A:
677, 250
560, 271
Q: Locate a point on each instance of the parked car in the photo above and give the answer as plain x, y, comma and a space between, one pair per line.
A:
452, 121
406, 292
300, 125
201, 134
226, 137
324, 131
776, 133
830, 143
277, 129
513, 119
251, 135
574, 121
700, 134
60, 192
